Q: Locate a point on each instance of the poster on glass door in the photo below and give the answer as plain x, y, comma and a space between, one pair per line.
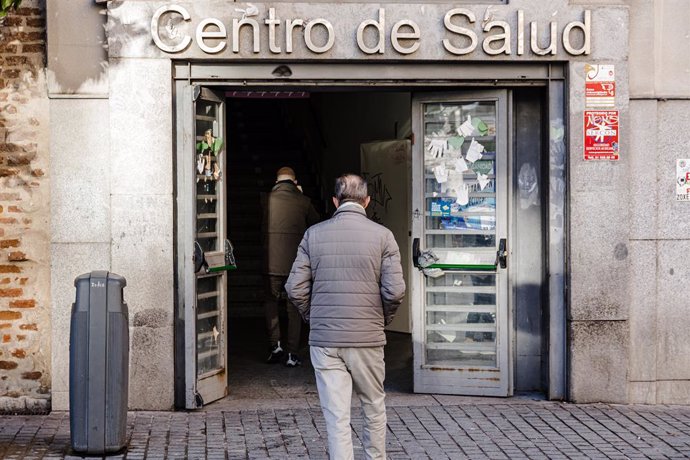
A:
601, 135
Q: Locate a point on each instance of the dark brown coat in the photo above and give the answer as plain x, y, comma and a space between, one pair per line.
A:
287, 214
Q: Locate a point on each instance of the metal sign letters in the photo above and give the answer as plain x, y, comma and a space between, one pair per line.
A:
174, 30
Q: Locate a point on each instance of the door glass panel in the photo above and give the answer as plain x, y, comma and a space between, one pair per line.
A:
210, 321
461, 319
208, 327
460, 230
208, 174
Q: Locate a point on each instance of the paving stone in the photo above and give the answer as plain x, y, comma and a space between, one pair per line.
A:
495, 431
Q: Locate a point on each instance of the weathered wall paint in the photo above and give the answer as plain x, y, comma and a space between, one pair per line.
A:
24, 214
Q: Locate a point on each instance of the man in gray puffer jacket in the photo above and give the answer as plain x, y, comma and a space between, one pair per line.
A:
347, 282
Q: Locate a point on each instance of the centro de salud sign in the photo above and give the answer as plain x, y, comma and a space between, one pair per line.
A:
346, 30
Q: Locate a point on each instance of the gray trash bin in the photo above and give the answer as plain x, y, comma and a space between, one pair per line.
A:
99, 364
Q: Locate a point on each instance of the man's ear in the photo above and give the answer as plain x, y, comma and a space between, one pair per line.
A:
336, 202
366, 202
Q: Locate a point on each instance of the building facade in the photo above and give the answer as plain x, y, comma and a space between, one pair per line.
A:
531, 174
25, 325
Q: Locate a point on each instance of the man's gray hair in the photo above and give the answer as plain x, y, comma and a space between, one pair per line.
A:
351, 187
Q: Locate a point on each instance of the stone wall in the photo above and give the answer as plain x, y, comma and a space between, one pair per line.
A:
24, 214
111, 147
598, 234
659, 356
628, 334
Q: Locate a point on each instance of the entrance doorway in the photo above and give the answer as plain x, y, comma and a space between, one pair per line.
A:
479, 312
320, 135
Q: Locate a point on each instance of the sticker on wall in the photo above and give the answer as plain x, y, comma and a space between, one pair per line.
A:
600, 86
528, 186
601, 135
683, 180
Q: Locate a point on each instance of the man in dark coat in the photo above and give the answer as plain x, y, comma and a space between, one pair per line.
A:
287, 214
347, 282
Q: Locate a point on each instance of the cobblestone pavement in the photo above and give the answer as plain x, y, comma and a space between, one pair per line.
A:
496, 430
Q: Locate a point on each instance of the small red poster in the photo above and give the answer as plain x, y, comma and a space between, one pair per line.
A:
601, 135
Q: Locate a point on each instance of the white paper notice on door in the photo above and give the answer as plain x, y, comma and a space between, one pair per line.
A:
474, 153
467, 128
468, 258
483, 180
462, 194
461, 165
441, 173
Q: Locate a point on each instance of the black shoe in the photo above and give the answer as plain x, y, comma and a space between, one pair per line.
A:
292, 360
276, 354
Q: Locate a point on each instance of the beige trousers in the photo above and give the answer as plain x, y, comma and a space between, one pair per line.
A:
338, 371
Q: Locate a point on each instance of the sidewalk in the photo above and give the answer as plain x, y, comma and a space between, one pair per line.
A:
419, 427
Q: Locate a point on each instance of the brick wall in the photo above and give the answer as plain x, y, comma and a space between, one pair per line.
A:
24, 213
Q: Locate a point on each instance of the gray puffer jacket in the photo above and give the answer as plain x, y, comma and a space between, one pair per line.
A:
347, 280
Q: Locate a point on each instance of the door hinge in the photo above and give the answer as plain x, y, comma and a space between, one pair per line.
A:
198, 400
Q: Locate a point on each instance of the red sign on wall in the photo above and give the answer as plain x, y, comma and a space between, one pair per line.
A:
601, 135
600, 93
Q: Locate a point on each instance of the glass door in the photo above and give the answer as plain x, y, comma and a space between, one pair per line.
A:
459, 209
209, 256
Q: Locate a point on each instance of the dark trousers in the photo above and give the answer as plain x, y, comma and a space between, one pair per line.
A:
275, 293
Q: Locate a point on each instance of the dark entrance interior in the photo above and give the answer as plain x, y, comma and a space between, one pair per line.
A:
319, 134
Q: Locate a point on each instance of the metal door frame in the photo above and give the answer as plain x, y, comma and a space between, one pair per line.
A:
188, 385
504, 348
372, 76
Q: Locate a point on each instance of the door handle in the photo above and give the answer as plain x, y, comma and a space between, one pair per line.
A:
416, 252
502, 254
229, 254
